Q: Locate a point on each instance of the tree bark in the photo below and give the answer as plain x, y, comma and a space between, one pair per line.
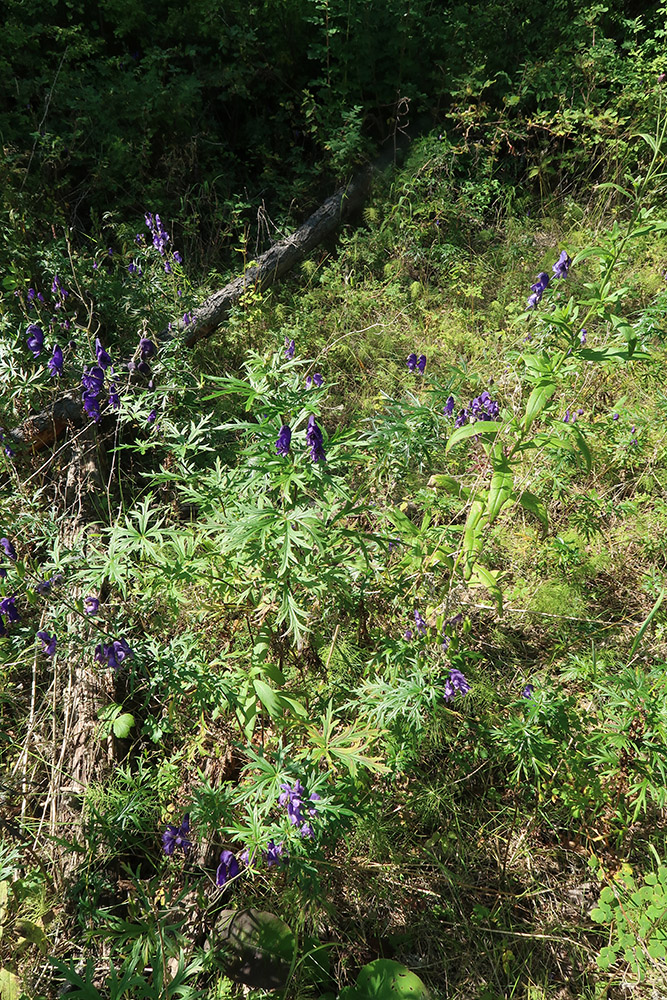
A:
279, 259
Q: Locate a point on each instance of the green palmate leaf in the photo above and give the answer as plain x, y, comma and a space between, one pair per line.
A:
500, 491
537, 400
122, 724
531, 503
483, 428
488, 580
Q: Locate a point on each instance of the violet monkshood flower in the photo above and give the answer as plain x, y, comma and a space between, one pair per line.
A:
91, 406
177, 257
582, 336
56, 361
49, 642
114, 398
134, 268
8, 609
420, 623
455, 684
538, 289
35, 339
227, 869
103, 358
562, 265
528, 691
8, 549
158, 232
411, 362
284, 440
91, 605
289, 348
421, 364
274, 854
92, 380
147, 348
315, 441
57, 288
177, 836
448, 409
293, 797
314, 380
114, 653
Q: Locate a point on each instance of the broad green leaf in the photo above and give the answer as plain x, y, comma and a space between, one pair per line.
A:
531, 503
269, 698
10, 985
613, 353
385, 979
449, 485
582, 446
488, 580
483, 428
30, 933
121, 726
537, 400
500, 491
472, 536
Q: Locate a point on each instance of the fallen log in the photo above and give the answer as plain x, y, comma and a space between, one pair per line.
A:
42, 429
279, 259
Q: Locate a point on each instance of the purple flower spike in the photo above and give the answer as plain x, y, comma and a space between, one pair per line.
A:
538, 289
289, 348
284, 440
449, 406
92, 380
49, 642
528, 691
114, 398
562, 265
8, 548
35, 339
274, 854
412, 362
421, 363
455, 684
91, 605
8, 608
227, 869
147, 348
582, 336
407, 635
314, 380
177, 836
114, 653
103, 358
420, 623
91, 406
177, 257
315, 441
56, 361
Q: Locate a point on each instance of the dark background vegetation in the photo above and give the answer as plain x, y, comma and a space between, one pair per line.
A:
207, 110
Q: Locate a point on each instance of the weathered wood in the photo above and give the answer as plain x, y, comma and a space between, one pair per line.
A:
279, 259
42, 429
